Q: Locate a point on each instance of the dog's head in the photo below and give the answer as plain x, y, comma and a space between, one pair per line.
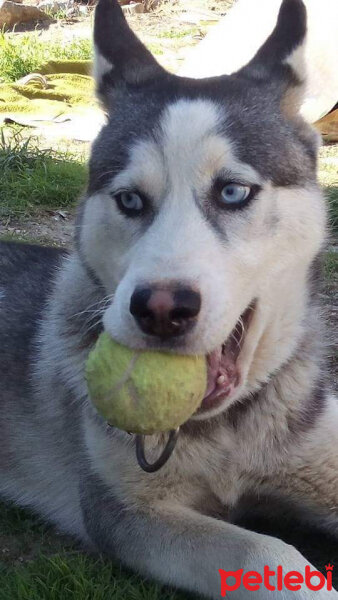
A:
203, 214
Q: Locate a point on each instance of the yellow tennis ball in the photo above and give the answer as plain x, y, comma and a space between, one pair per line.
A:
144, 392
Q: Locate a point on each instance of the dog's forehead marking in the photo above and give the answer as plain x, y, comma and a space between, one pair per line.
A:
194, 134
188, 122
188, 148
190, 142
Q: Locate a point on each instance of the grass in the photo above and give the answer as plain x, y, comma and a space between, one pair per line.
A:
20, 56
332, 195
58, 14
36, 564
77, 577
180, 33
328, 176
25, 54
34, 177
331, 266
155, 49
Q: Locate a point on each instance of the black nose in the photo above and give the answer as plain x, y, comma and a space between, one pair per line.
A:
165, 312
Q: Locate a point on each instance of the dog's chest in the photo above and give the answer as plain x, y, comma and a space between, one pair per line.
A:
213, 468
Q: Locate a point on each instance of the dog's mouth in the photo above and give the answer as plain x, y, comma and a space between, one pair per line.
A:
222, 364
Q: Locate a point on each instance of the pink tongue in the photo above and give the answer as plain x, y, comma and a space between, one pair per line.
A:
221, 365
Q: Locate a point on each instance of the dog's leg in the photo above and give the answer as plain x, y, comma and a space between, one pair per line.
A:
181, 547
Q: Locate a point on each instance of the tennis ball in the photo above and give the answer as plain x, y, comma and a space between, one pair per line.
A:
144, 392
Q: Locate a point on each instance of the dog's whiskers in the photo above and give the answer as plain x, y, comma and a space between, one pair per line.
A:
99, 305
239, 328
92, 326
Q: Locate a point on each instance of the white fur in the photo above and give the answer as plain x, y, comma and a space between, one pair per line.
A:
297, 62
101, 65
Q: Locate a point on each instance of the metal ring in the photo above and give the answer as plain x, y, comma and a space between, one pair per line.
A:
166, 454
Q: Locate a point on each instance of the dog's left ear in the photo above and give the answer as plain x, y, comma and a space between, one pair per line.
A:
120, 57
281, 59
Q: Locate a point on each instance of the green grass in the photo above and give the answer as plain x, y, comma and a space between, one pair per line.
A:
33, 177
25, 54
155, 49
331, 266
35, 564
180, 33
328, 176
76, 577
332, 195
59, 14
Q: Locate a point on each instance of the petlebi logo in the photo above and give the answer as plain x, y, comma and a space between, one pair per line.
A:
275, 580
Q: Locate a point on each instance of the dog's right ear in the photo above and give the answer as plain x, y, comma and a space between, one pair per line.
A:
282, 56
120, 57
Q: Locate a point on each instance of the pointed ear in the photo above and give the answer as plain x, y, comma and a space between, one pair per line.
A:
282, 56
120, 57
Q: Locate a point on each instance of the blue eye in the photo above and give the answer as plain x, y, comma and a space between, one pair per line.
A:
235, 194
130, 203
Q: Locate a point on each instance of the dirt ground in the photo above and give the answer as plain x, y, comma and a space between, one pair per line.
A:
44, 226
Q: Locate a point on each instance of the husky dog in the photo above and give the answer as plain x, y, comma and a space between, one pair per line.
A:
200, 233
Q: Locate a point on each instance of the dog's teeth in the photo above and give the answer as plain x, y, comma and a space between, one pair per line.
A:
221, 379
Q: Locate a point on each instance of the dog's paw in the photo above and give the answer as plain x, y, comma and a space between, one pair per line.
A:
293, 574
